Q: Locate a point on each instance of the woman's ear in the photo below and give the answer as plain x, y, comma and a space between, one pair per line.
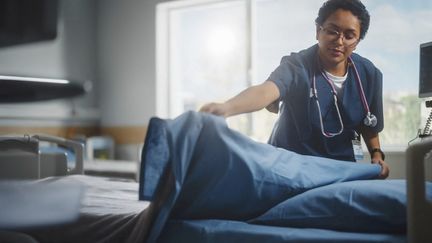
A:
317, 32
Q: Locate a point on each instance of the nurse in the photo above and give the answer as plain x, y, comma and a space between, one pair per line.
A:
326, 95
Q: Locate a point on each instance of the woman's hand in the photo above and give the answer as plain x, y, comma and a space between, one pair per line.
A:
251, 99
219, 109
385, 168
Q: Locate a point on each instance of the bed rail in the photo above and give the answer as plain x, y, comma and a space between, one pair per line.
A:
419, 209
21, 157
76, 146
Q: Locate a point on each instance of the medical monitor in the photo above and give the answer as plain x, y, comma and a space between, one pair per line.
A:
27, 21
425, 77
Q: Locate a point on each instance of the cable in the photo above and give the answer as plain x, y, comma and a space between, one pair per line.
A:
417, 136
426, 130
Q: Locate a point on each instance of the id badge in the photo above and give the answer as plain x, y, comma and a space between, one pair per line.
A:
358, 150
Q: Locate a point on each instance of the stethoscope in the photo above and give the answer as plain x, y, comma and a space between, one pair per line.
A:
370, 120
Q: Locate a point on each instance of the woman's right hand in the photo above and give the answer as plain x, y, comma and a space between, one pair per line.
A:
251, 99
219, 109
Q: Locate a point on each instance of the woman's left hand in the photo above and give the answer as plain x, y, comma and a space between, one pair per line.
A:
385, 169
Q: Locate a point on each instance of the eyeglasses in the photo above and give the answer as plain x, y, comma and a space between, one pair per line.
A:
349, 39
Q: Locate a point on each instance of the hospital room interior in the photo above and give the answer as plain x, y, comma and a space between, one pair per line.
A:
88, 89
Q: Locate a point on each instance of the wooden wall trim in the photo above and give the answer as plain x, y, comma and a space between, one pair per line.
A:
126, 134
120, 134
60, 131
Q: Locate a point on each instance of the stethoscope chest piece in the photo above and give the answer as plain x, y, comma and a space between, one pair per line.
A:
370, 120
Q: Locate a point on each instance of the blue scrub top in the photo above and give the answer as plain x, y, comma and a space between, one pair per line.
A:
298, 127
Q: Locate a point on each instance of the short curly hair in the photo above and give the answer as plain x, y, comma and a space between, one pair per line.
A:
354, 6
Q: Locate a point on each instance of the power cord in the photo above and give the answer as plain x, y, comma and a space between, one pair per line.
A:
426, 130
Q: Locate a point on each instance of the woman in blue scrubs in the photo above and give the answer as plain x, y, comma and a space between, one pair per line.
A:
326, 95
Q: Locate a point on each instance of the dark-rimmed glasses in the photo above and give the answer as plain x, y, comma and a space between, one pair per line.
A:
349, 39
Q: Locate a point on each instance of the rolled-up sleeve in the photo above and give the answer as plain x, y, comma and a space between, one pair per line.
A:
376, 105
282, 76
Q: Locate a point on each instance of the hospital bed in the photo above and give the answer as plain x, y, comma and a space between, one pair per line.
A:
190, 191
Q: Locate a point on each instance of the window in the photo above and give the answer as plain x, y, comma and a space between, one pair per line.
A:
392, 43
210, 50
207, 55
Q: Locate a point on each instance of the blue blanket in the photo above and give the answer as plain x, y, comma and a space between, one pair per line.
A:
221, 174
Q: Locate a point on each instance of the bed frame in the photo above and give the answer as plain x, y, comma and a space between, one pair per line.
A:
419, 209
22, 158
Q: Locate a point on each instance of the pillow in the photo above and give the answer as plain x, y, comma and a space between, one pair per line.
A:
366, 206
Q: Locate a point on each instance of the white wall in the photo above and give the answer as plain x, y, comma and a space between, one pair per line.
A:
126, 61
126, 56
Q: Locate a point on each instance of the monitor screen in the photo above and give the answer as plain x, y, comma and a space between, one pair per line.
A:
425, 82
27, 21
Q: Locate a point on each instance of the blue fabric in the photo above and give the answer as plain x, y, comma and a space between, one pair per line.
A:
360, 206
225, 231
222, 174
298, 127
155, 149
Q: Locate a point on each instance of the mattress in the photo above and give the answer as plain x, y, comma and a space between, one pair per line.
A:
227, 231
110, 212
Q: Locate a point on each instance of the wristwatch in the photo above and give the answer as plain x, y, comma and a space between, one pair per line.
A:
377, 150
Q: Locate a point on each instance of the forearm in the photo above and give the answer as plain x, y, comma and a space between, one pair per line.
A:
372, 142
252, 99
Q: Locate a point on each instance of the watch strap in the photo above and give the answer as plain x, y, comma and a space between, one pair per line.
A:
377, 150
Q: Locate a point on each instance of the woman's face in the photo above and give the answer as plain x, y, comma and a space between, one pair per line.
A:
337, 37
